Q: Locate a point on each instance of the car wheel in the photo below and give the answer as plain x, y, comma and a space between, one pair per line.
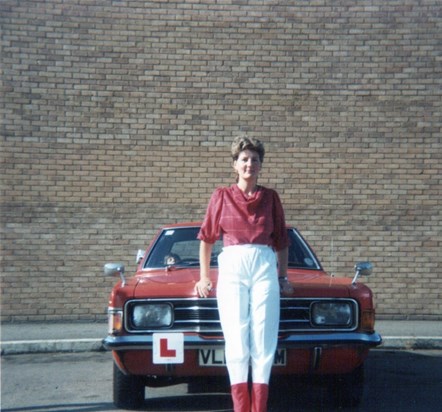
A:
347, 390
128, 390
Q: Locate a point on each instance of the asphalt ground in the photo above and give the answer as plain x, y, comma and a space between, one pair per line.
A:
52, 337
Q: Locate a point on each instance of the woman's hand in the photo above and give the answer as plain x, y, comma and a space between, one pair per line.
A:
203, 288
285, 286
204, 285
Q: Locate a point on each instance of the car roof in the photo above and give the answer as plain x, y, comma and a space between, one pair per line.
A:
182, 224
193, 224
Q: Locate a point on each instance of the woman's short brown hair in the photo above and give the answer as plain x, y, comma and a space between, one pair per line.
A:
244, 142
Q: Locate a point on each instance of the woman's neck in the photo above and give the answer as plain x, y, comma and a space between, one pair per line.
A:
248, 187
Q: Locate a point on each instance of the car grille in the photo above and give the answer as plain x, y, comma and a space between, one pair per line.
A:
201, 316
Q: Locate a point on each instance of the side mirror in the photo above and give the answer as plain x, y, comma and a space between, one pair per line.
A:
362, 269
140, 255
115, 269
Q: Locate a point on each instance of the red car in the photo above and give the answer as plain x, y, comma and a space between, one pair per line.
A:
162, 333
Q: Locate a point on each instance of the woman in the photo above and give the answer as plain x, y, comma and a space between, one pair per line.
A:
250, 219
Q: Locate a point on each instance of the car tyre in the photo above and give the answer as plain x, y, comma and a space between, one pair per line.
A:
128, 390
347, 390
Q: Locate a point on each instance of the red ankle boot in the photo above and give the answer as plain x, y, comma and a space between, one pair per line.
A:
241, 397
260, 395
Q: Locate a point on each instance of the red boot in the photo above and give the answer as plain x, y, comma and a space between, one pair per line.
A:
260, 394
241, 397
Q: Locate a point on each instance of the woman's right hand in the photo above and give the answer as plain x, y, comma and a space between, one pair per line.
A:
203, 288
204, 285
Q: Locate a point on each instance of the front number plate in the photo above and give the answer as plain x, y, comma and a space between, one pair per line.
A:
216, 357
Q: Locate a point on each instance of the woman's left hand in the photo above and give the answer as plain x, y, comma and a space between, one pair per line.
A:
285, 286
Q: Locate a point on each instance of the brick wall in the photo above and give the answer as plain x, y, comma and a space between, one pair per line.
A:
117, 118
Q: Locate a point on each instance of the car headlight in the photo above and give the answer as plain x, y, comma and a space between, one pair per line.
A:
151, 315
331, 314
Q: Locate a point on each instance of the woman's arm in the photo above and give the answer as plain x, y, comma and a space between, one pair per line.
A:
204, 285
282, 256
285, 286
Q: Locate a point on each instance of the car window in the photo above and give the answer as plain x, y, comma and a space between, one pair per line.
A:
187, 249
300, 254
180, 247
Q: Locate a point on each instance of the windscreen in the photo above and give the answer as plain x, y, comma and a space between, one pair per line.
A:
180, 247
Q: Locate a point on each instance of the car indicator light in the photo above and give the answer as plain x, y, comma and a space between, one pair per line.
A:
115, 321
368, 320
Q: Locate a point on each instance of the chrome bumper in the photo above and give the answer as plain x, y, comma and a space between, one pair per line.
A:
145, 342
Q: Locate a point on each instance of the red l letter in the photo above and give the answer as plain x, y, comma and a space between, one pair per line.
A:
165, 352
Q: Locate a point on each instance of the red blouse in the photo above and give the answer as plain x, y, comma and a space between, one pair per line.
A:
258, 219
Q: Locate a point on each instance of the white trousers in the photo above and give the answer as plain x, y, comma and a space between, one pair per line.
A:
248, 303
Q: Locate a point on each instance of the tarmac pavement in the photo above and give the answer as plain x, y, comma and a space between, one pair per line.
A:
19, 338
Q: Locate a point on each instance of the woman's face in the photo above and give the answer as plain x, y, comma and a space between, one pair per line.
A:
247, 165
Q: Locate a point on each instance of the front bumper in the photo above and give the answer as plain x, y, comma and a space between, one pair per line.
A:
145, 342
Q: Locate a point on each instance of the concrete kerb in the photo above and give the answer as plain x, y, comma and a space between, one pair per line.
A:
411, 342
96, 345
51, 346
53, 337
